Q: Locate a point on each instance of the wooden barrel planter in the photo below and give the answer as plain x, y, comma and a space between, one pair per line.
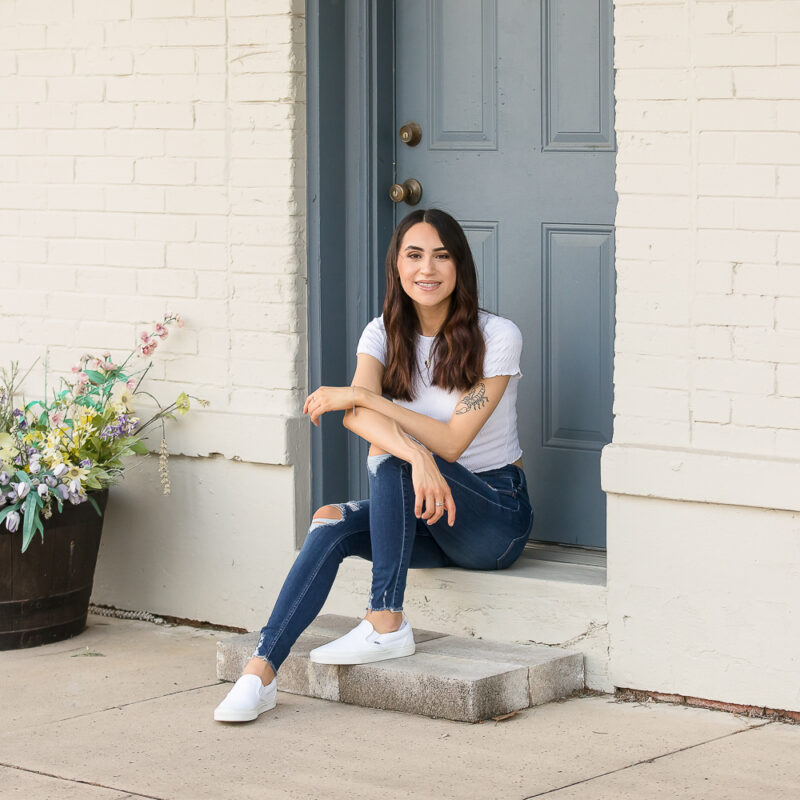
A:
45, 591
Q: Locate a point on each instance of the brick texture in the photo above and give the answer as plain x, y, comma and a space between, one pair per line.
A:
152, 158
708, 252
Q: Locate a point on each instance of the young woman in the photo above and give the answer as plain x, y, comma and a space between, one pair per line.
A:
446, 483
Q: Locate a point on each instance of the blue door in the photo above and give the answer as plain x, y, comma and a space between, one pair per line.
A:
512, 101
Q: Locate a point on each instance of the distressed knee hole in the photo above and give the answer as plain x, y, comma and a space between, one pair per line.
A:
328, 512
327, 515
373, 462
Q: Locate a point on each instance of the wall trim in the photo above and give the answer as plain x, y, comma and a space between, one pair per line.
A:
701, 476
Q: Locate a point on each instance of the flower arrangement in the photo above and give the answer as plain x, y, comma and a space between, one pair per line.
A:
61, 451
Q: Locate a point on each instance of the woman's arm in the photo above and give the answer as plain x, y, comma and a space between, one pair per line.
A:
432, 495
447, 439
385, 433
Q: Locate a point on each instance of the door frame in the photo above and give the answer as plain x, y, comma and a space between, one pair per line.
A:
350, 151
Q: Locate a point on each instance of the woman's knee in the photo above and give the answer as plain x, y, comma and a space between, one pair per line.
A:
379, 462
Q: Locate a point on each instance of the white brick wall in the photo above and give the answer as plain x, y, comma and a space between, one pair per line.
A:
708, 249
152, 157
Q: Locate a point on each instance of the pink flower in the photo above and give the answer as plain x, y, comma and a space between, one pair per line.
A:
83, 379
160, 331
108, 366
146, 349
144, 336
131, 383
93, 363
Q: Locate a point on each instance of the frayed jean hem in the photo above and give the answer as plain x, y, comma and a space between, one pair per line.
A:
385, 608
256, 654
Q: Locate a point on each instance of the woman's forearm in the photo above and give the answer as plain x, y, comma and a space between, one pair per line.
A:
383, 432
434, 434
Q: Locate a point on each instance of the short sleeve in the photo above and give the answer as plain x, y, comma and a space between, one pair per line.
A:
503, 349
373, 340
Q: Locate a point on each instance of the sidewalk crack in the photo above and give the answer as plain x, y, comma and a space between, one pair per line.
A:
129, 792
646, 761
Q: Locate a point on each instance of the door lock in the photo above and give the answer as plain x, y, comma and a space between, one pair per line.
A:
411, 134
409, 191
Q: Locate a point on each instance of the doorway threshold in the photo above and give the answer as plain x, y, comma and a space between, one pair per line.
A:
566, 554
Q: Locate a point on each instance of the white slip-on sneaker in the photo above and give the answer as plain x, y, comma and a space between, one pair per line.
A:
364, 645
247, 699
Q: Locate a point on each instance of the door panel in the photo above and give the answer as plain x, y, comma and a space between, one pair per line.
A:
515, 102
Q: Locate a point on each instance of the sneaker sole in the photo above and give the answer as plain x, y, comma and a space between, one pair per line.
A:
244, 716
361, 658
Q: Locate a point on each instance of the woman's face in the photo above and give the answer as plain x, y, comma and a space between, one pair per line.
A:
427, 270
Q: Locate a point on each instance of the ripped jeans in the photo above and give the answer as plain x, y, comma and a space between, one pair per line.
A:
493, 520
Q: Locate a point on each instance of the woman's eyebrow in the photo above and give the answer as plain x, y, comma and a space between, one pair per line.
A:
417, 247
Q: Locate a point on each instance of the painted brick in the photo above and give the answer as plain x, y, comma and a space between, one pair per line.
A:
711, 407
196, 256
733, 438
712, 341
164, 116
756, 279
164, 171
167, 283
733, 309
788, 380
165, 227
733, 376
762, 344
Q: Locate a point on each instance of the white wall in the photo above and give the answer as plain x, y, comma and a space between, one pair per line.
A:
707, 364
152, 158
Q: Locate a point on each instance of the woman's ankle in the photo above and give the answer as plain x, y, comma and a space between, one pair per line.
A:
261, 667
385, 621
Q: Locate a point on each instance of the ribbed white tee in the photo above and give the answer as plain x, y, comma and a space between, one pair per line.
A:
497, 442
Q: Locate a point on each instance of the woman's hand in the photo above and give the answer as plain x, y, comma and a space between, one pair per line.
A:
328, 398
432, 489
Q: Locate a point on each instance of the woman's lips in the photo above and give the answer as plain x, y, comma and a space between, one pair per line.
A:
431, 287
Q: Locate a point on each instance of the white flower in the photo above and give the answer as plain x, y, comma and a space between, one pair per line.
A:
121, 396
42, 489
21, 489
59, 470
12, 521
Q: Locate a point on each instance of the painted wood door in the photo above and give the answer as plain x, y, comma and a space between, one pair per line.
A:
515, 102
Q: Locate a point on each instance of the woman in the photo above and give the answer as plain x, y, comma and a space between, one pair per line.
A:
447, 443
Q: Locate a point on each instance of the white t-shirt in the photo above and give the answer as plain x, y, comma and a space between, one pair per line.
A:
496, 443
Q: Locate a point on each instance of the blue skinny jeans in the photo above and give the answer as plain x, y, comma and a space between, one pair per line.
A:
493, 520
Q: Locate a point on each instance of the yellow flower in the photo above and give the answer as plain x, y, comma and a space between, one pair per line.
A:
182, 403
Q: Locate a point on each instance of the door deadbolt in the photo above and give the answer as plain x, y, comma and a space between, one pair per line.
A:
409, 191
411, 134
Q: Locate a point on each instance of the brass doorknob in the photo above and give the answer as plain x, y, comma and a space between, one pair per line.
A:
409, 191
411, 134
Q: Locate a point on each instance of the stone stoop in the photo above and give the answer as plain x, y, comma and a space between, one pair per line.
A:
449, 677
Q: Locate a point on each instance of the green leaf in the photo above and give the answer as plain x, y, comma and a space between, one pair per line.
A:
139, 447
40, 526
31, 514
92, 482
94, 503
24, 477
95, 377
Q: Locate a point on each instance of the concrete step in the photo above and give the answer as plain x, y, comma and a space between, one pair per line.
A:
449, 677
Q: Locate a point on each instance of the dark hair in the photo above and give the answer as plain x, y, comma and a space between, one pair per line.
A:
459, 347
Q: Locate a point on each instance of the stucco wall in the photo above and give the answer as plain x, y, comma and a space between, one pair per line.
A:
707, 364
152, 158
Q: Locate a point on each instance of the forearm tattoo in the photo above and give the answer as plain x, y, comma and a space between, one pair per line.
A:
475, 398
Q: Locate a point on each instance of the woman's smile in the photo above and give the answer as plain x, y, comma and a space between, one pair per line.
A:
428, 286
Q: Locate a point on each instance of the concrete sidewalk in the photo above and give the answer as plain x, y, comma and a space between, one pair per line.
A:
125, 711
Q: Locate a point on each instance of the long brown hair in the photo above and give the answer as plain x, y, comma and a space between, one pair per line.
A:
459, 347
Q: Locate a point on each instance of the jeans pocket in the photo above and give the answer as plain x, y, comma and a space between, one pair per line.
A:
513, 551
